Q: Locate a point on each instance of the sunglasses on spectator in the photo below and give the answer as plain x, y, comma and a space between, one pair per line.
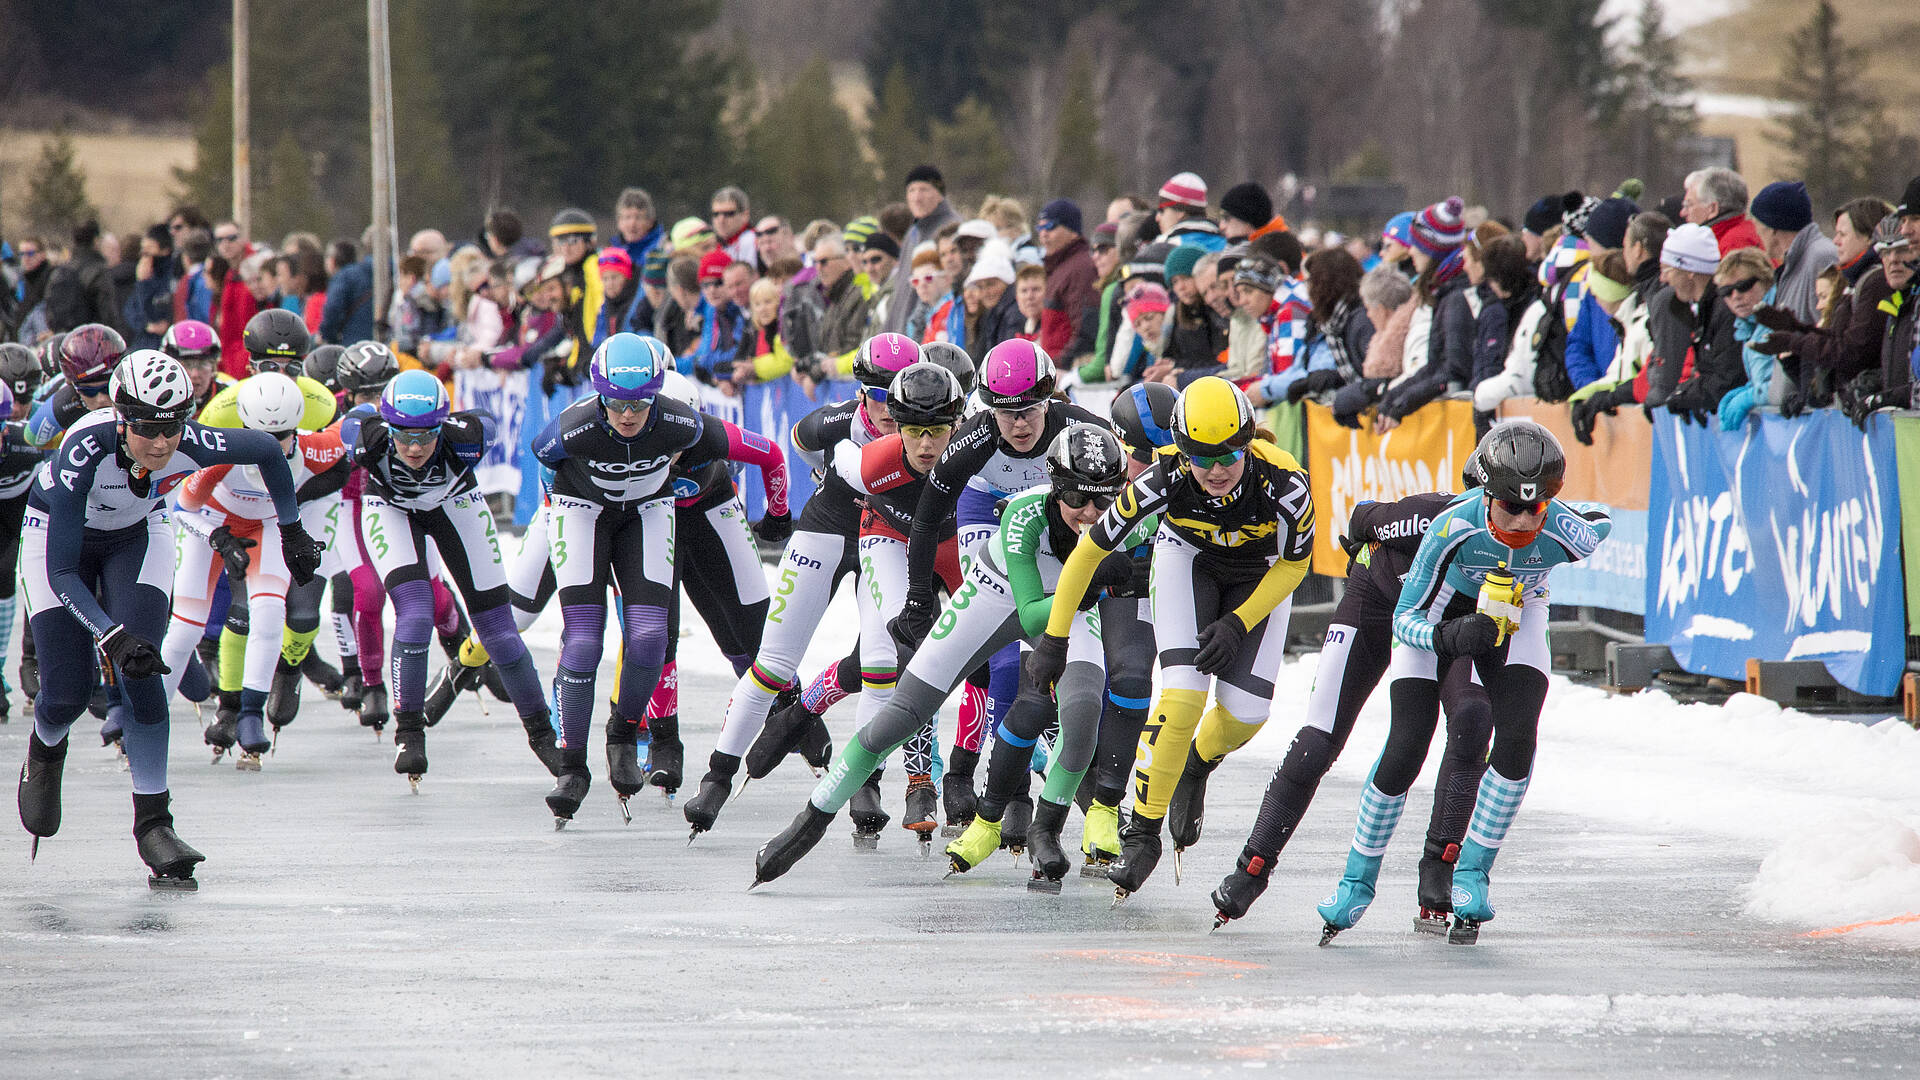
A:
926, 431
415, 436
717, 212
621, 407
1074, 500
28, 253
1522, 509
156, 429
1739, 286
1215, 461
923, 279
769, 226
875, 258
1031, 412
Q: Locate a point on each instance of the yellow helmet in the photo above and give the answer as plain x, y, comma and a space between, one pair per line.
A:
1212, 419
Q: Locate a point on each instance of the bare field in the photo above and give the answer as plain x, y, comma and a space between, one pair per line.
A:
129, 176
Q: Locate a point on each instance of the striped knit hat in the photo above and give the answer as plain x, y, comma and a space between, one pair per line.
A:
1439, 229
1185, 189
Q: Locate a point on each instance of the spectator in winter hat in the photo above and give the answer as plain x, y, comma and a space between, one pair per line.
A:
692, 236
1071, 274
1247, 212
1182, 214
1909, 211
878, 260
1439, 229
616, 283
926, 194
732, 218
1396, 239
1540, 219
1607, 223
1717, 198
1783, 216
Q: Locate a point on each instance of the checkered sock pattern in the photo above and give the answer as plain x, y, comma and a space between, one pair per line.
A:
1379, 816
1494, 811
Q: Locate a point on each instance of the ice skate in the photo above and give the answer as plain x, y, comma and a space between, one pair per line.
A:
224, 731
623, 763
1241, 888
1014, 823
1436, 887
1471, 904
703, 809
778, 855
1351, 896
780, 736
166, 855
570, 790
956, 790
869, 817
1050, 862
373, 708
410, 747
980, 840
922, 803
1188, 806
322, 675
665, 756
283, 697
1139, 854
40, 788
1099, 839
541, 737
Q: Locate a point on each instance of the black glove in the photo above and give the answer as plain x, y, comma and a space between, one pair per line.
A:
301, 551
773, 528
1354, 399
1046, 662
135, 656
909, 628
1473, 635
1141, 583
1584, 414
1793, 404
233, 550
1774, 345
1114, 572
1219, 644
1774, 318
1352, 547
1314, 382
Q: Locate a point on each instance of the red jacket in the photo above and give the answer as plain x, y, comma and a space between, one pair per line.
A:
1070, 278
1734, 231
237, 305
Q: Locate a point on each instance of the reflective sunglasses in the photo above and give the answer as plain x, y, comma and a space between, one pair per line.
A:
1029, 412
1522, 509
926, 431
875, 393
156, 429
624, 408
266, 365
1206, 461
1075, 499
415, 436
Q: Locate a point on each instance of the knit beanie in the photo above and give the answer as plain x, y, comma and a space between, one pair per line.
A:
713, 265
1181, 260
1783, 205
1185, 189
1399, 229
616, 259
655, 270
1691, 248
1062, 214
927, 174
1542, 215
1147, 297
1439, 229
1248, 202
1575, 210
1607, 225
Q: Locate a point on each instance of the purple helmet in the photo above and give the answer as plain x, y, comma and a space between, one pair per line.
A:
414, 399
630, 367
883, 356
1016, 374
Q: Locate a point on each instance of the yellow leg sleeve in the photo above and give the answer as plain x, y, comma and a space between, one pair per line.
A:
1220, 734
1163, 749
233, 660
472, 653
295, 644
619, 663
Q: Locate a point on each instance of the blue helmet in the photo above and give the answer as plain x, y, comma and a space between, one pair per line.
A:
414, 399
630, 367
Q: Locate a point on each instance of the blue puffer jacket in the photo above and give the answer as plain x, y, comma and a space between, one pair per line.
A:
1591, 343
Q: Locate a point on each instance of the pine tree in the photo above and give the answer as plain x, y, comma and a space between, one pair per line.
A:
1652, 110
971, 151
288, 200
1826, 132
57, 189
1082, 167
803, 153
209, 184
898, 142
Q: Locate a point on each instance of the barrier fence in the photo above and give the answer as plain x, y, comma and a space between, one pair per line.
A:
1781, 541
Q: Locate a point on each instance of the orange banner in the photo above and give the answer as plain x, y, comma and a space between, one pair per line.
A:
1614, 470
1345, 467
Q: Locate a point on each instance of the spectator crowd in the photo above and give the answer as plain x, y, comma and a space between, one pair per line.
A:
1708, 303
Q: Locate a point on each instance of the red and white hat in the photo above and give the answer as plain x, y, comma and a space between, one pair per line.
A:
1185, 189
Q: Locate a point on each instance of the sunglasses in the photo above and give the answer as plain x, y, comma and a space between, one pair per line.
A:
1027, 413
1522, 509
1075, 500
926, 431
875, 259
1739, 286
265, 366
1205, 461
28, 253
415, 436
875, 393
923, 279
98, 389
624, 408
156, 429
729, 213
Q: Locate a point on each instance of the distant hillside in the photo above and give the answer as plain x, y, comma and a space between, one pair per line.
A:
129, 175
1740, 53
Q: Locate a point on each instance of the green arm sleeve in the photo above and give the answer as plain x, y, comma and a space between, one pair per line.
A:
1021, 530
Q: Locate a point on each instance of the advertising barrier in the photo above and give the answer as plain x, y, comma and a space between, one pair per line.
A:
1613, 471
503, 396
1906, 449
1347, 466
1778, 542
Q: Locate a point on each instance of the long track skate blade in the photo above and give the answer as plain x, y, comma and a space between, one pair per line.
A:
484, 711
626, 812
560, 823
1327, 933
926, 846
866, 842
1435, 924
1219, 921
169, 883
1176, 866
951, 831
756, 884
1041, 883
34, 854
1094, 870
742, 790
1120, 897
1464, 932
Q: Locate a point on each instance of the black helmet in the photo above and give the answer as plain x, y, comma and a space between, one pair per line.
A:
20, 370
1521, 461
323, 364
276, 334
50, 354
1470, 472
1144, 415
1088, 459
925, 393
954, 359
367, 367
572, 222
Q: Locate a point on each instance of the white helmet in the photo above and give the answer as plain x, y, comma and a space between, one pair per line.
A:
272, 403
681, 389
148, 385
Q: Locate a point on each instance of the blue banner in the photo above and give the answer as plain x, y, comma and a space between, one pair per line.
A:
1615, 575
1778, 542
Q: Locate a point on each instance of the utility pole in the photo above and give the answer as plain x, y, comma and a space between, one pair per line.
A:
380, 119
242, 137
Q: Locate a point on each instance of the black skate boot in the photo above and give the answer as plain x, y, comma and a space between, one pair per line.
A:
410, 746
956, 790
786, 724
571, 789
1188, 806
373, 708
283, 698
454, 679
324, 676
490, 678
1436, 886
40, 788
170, 859
1139, 854
1241, 888
922, 803
869, 817
250, 731
29, 669
704, 808
351, 688
665, 756
541, 737
1050, 862
816, 743
623, 763
1014, 823
222, 733
778, 855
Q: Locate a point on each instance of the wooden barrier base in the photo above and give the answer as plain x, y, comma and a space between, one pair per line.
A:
1910, 698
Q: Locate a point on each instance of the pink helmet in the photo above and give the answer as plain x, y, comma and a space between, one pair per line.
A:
883, 356
1016, 374
191, 340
